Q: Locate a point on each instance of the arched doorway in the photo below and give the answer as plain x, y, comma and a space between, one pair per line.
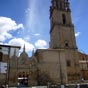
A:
23, 79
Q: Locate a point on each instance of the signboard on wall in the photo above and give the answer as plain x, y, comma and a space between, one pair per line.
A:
3, 67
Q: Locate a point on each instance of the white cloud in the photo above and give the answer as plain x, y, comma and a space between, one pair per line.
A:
21, 42
5, 36
6, 25
41, 44
18, 26
27, 37
1, 43
37, 34
77, 34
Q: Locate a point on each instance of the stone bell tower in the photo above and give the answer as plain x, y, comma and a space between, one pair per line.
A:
62, 36
62, 30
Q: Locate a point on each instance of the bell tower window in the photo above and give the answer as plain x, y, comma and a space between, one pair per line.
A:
64, 18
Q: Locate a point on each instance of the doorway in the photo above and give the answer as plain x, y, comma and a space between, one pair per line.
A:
23, 80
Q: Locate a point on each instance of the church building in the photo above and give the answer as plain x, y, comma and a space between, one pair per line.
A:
61, 63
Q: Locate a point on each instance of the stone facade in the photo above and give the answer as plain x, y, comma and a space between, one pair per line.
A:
52, 63
22, 67
20, 70
83, 62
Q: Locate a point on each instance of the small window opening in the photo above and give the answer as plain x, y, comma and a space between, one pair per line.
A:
83, 58
1, 55
57, 4
66, 45
60, 5
68, 63
64, 18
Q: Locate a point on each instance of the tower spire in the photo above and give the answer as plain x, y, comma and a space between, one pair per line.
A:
33, 52
24, 48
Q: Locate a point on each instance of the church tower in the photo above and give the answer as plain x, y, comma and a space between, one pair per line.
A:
62, 36
62, 30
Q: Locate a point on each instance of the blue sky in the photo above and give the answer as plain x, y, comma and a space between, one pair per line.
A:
27, 22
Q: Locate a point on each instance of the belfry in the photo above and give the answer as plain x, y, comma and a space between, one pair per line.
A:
62, 36
62, 30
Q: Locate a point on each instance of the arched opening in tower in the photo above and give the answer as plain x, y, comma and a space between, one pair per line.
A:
64, 18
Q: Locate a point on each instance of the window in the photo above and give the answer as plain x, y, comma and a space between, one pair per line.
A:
68, 63
83, 58
63, 18
1, 55
57, 4
54, 3
66, 44
60, 5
